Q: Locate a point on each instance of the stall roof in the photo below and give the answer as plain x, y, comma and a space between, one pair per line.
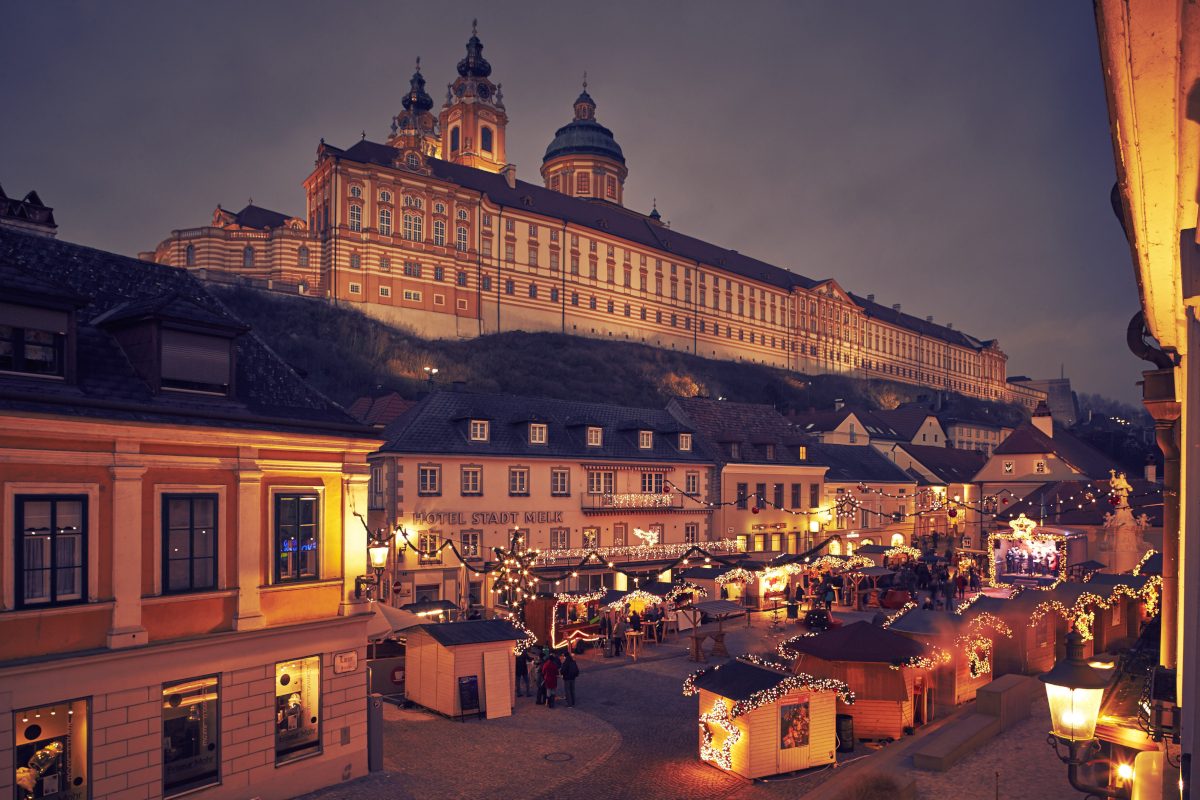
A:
719, 608
861, 641
1108, 580
472, 631
388, 620
1152, 566
740, 680
876, 572
927, 622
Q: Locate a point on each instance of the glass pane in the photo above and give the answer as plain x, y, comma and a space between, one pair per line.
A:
190, 735
69, 515
69, 584
68, 550
297, 705
203, 542
204, 573
179, 511
178, 575
179, 543
308, 510
287, 511
37, 516
204, 512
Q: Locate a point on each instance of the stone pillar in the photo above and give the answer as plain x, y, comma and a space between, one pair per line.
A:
126, 529
249, 540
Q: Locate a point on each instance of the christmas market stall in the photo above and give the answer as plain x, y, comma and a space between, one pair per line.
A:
882, 555
1031, 649
888, 672
968, 642
758, 719
1104, 610
1024, 554
457, 668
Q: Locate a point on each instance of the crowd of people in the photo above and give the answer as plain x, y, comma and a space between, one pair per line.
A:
544, 669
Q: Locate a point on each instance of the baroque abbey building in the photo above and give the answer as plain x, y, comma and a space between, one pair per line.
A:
432, 230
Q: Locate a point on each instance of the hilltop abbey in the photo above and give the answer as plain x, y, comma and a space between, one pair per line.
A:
432, 230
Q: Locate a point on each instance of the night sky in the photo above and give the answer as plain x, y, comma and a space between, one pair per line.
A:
952, 157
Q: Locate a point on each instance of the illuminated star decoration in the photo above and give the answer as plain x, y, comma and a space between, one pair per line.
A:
516, 576
719, 716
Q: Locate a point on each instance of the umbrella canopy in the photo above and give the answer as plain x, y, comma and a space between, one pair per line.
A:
426, 607
387, 621
719, 608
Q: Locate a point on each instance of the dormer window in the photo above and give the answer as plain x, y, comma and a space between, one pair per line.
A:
770, 452
33, 340
645, 440
195, 362
685, 442
735, 450
479, 430
537, 433
595, 437
802, 453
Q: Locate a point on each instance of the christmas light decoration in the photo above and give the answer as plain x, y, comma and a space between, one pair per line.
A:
1082, 614
902, 550
937, 656
790, 683
637, 595
1137, 570
575, 635
640, 552
843, 563
735, 575
898, 613
1025, 530
685, 588
978, 646
718, 715
529, 639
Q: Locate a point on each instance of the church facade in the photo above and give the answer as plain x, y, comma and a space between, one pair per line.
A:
431, 230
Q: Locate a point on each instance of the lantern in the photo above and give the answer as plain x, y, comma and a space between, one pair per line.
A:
1074, 690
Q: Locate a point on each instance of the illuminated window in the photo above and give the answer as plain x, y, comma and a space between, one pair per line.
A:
479, 430
297, 542
583, 183
610, 189
51, 557
429, 479
595, 436
297, 708
591, 538
50, 750
1039, 467
537, 430
645, 440
190, 735
189, 547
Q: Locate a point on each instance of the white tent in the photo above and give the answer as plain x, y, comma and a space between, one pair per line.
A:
387, 621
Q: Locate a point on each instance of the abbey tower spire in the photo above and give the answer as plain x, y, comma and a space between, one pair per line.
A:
473, 118
416, 128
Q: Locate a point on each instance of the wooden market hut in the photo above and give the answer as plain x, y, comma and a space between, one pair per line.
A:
955, 684
749, 732
452, 661
1118, 626
889, 696
1031, 649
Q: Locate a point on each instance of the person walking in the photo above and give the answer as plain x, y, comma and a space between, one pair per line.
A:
828, 596
523, 673
618, 637
538, 663
550, 679
570, 671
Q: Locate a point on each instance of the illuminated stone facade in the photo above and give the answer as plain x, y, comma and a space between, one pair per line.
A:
433, 231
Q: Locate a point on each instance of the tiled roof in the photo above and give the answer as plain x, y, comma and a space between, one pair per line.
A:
949, 464
636, 227
268, 394
1059, 501
819, 421
253, 216
380, 411
848, 463
170, 306
861, 642
740, 680
751, 425
906, 420
439, 424
1027, 439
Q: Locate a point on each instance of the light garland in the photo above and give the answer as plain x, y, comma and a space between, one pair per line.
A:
718, 715
642, 552
575, 635
735, 575
762, 697
636, 595
898, 613
637, 500
1137, 570
1082, 613
902, 550
687, 587
784, 648
970, 601
846, 563
524, 644
977, 646
937, 656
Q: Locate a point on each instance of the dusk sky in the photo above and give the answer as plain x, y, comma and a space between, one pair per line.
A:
952, 157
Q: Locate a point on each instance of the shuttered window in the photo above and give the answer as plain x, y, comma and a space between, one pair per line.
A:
33, 340
195, 361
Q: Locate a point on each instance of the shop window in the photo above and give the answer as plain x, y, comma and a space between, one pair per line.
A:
189, 549
50, 751
743, 542
51, 550
297, 709
297, 546
191, 735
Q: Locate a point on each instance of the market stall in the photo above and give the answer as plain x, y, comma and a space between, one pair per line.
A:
889, 674
1030, 651
757, 719
457, 668
969, 643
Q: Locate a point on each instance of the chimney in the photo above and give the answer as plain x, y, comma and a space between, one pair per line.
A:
1042, 419
838, 404
895, 306
510, 175
870, 298
1151, 470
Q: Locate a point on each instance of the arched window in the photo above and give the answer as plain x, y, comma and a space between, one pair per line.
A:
189, 255
460, 239
554, 183
302, 256
485, 139
356, 191
835, 547
439, 231
385, 221
610, 188
385, 197
898, 540
355, 217
414, 227
454, 139
462, 214
248, 257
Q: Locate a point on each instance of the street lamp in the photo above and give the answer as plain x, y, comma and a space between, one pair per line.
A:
378, 547
431, 371
1074, 690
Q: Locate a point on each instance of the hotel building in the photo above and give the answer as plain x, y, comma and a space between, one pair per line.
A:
432, 230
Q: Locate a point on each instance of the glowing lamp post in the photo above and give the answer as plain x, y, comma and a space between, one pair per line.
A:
1074, 689
377, 556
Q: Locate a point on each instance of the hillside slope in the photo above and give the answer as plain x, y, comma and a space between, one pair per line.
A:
347, 355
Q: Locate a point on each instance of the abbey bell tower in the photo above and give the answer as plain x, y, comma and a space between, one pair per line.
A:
473, 119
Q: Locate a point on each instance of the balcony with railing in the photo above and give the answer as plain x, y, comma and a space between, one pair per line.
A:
636, 501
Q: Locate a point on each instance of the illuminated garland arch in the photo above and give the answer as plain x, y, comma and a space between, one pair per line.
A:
902, 550
1149, 555
978, 646
735, 575
1082, 614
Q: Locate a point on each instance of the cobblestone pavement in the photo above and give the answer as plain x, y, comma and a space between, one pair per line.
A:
632, 735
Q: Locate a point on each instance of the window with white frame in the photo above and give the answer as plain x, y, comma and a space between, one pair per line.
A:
652, 482
685, 442
439, 231
691, 532
472, 481
469, 544
645, 439
429, 479
355, 217
518, 481
385, 196
620, 530
691, 483
537, 433
462, 214
479, 430
460, 238
356, 288
560, 538
412, 295
560, 481
356, 191
414, 227
600, 481
385, 291
427, 547
595, 436
385, 221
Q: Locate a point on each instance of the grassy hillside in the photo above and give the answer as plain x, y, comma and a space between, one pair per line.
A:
347, 354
